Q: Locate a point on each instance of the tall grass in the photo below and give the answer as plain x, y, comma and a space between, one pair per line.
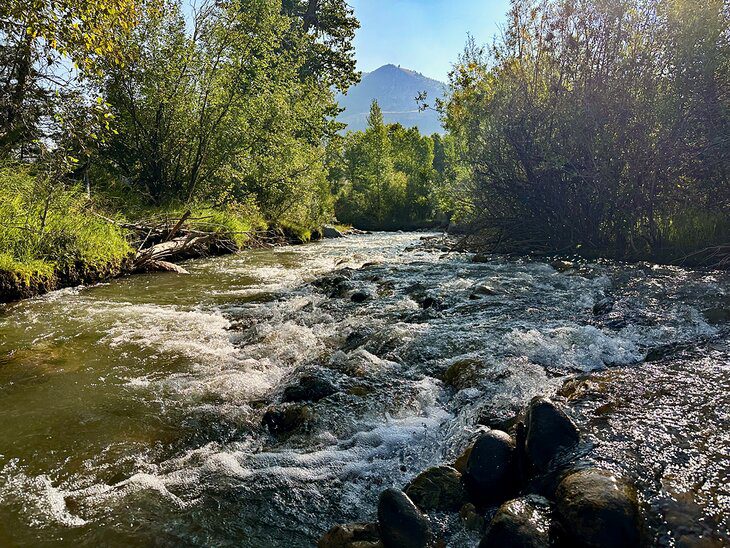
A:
47, 227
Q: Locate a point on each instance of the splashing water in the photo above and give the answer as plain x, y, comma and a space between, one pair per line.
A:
130, 412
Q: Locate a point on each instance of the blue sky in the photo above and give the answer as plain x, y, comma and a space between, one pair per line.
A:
423, 35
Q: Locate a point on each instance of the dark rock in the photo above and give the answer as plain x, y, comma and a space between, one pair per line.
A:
439, 489
484, 290
490, 471
604, 306
335, 285
402, 525
356, 339
331, 232
360, 296
460, 462
598, 510
310, 388
481, 258
463, 373
284, 420
717, 315
352, 535
472, 519
431, 302
550, 432
520, 523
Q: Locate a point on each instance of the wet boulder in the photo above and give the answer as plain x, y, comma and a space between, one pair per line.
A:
471, 518
460, 463
598, 510
520, 523
352, 535
431, 302
331, 232
463, 373
360, 297
437, 489
562, 266
402, 525
286, 419
604, 306
309, 388
549, 433
490, 476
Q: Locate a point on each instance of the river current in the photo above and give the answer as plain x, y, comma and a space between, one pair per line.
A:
130, 412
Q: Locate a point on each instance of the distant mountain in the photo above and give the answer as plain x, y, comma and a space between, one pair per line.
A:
395, 89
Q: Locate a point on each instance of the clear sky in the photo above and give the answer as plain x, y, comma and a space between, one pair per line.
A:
423, 35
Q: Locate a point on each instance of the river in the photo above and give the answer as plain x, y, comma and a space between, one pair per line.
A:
130, 412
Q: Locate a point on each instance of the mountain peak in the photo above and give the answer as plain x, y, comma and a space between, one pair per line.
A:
395, 88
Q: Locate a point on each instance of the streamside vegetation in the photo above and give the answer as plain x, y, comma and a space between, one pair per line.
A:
388, 177
117, 114
598, 127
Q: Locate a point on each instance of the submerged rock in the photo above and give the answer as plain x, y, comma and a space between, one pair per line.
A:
598, 510
439, 489
490, 476
402, 525
604, 306
562, 266
550, 432
520, 523
463, 373
352, 535
309, 388
284, 420
360, 296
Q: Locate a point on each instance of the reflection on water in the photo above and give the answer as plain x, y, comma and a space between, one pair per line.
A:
130, 412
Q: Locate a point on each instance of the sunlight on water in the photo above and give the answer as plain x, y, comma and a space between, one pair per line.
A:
131, 411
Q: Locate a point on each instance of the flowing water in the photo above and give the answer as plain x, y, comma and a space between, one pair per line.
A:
130, 412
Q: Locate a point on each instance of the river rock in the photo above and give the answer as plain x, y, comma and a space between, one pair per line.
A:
463, 373
352, 535
550, 432
604, 306
598, 510
402, 525
285, 419
438, 489
490, 471
460, 463
471, 518
520, 523
562, 266
360, 296
309, 388
331, 232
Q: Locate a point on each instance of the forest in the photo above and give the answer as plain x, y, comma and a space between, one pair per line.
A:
589, 126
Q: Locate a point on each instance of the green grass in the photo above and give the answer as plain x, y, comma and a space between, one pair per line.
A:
49, 227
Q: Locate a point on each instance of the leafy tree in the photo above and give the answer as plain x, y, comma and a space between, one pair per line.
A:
597, 125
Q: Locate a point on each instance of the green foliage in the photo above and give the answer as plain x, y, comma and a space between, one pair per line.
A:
384, 177
597, 124
226, 113
45, 227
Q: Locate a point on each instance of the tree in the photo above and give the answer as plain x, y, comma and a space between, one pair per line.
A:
38, 41
587, 125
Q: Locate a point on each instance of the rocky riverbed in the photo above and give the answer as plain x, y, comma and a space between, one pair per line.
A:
274, 394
